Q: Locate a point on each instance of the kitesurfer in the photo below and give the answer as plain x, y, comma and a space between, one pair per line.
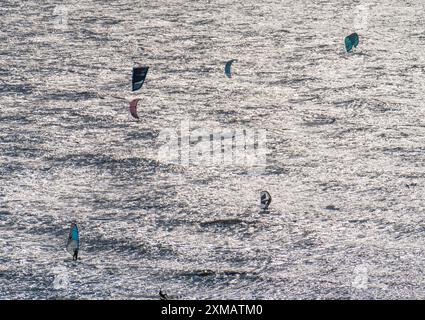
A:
75, 256
162, 295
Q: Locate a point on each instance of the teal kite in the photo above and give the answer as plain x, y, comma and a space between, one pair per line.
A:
227, 68
351, 41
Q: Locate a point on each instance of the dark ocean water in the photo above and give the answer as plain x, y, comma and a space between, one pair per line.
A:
345, 150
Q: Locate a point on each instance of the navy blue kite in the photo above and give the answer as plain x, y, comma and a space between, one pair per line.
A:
139, 76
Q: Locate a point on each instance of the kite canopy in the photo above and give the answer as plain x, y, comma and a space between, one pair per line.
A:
139, 76
73, 239
351, 41
227, 68
265, 199
133, 108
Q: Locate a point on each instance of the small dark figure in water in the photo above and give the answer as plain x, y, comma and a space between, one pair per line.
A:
163, 296
265, 199
75, 256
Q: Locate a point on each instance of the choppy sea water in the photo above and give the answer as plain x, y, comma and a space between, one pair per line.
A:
344, 150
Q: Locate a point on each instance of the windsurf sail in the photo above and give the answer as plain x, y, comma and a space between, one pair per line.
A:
351, 41
133, 108
73, 239
139, 76
265, 199
228, 67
